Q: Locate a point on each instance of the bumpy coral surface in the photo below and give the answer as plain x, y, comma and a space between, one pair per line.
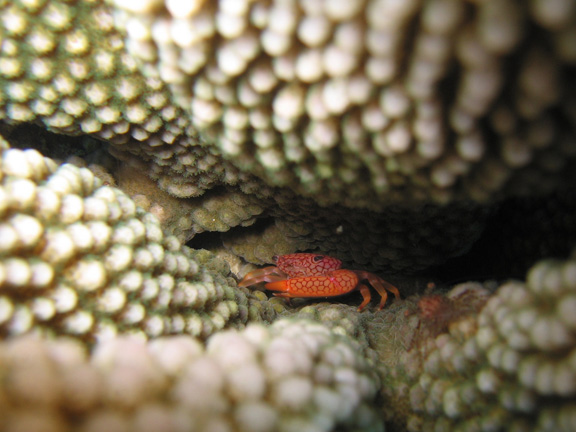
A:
508, 365
218, 210
293, 376
352, 104
374, 130
359, 102
64, 64
364, 101
501, 361
79, 258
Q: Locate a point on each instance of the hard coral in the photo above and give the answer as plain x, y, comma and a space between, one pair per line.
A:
64, 64
508, 365
419, 103
344, 107
294, 375
366, 102
81, 259
259, 243
218, 210
359, 103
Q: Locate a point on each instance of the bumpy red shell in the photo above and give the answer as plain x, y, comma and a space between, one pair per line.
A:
307, 264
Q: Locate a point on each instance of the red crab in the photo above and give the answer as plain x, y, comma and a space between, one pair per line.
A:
313, 275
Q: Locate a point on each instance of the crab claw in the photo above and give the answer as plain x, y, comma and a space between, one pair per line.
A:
266, 274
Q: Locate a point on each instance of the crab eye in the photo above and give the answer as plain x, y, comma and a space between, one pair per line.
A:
275, 258
317, 258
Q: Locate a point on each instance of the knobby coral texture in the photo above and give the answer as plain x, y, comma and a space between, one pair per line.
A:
368, 102
292, 376
82, 259
314, 107
508, 365
83, 268
386, 133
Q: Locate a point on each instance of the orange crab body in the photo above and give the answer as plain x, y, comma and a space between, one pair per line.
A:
334, 283
313, 275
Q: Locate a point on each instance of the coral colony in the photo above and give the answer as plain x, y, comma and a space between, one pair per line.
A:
155, 152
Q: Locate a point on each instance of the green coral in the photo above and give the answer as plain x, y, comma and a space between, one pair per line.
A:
81, 259
65, 65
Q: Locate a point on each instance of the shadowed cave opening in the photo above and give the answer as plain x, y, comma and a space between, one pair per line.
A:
519, 232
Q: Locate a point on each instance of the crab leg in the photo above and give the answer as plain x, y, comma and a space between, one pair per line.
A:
366, 296
379, 285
